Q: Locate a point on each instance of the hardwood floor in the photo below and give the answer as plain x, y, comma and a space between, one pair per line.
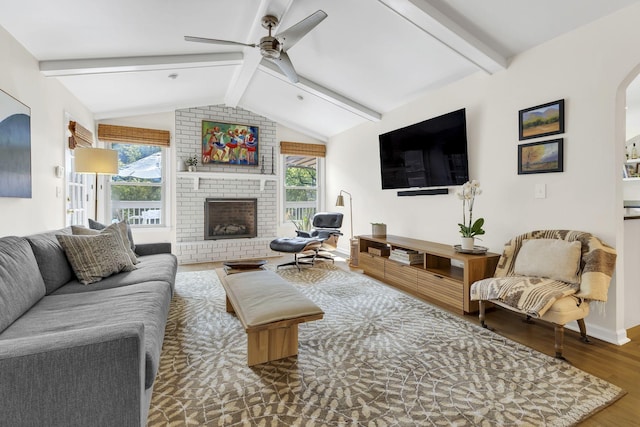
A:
620, 365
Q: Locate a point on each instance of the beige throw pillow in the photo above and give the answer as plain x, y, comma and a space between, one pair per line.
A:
120, 228
95, 257
552, 258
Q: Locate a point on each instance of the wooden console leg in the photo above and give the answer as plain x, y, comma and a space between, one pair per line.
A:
583, 331
559, 334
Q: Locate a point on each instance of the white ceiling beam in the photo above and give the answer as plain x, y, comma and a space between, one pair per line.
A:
428, 18
324, 93
74, 67
252, 57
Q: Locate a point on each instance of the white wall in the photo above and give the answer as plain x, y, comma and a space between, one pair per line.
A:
586, 68
48, 100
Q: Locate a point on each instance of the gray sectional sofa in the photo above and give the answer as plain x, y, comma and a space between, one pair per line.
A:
74, 354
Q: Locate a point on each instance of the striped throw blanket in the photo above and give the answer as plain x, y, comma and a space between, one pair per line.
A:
534, 295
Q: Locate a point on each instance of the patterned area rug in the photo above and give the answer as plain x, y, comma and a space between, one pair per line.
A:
378, 358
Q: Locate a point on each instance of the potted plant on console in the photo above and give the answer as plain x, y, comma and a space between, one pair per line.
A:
469, 229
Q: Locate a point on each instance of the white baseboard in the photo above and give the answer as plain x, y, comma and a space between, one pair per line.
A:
618, 337
342, 252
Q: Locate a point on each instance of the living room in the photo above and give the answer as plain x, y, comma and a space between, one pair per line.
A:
589, 67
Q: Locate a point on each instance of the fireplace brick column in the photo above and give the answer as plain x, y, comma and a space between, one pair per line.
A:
191, 247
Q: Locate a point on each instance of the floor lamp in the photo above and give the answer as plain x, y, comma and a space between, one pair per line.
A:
98, 161
353, 243
340, 202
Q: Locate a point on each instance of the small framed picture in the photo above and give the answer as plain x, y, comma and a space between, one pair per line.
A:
630, 170
541, 120
541, 157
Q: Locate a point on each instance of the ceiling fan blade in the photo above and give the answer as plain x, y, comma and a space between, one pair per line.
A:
285, 65
215, 41
293, 34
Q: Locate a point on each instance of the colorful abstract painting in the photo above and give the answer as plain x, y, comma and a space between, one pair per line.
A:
15, 148
229, 143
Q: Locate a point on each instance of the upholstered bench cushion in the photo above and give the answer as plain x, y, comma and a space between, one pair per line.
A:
567, 309
261, 297
293, 245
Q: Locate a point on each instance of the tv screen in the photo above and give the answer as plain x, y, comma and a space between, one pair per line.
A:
432, 153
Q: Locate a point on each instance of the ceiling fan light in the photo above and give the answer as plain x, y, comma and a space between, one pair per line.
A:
270, 47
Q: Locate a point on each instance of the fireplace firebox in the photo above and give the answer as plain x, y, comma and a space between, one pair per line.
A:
230, 218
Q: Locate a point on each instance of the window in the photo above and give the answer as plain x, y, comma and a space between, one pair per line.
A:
137, 192
301, 200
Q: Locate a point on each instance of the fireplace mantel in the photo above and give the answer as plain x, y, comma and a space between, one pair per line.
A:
197, 176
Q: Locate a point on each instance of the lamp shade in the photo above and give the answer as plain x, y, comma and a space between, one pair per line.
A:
96, 160
340, 200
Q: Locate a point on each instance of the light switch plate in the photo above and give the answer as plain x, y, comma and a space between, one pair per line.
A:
540, 191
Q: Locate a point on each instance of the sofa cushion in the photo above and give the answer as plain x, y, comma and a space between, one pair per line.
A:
151, 268
95, 225
118, 227
145, 303
95, 257
21, 285
52, 261
552, 258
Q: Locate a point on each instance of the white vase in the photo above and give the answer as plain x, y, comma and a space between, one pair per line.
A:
467, 243
192, 168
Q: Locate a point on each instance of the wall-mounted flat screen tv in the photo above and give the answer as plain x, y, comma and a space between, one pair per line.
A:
432, 153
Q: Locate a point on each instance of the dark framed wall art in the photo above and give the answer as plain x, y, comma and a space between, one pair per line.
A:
541, 157
15, 148
541, 120
229, 143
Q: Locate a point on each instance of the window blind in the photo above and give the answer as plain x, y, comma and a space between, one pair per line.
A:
80, 136
302, 149
133, 135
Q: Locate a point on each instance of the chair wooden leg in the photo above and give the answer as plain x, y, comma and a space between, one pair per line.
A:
481, 314
583, 331
528, 320
559, 334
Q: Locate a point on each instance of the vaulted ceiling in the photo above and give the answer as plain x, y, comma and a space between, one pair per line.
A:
123, 57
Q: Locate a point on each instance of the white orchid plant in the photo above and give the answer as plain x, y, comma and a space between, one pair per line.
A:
467, 193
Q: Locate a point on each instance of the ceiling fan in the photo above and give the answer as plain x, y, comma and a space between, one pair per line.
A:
274, 48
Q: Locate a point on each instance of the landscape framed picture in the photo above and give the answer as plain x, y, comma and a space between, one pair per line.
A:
541, 120
229, 143
15, 148
541, 157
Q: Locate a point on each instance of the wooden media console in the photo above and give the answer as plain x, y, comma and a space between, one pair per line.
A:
443, 275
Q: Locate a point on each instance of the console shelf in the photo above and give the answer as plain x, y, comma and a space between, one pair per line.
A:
443, 275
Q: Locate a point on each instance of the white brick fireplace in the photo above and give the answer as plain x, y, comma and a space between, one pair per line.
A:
221, 181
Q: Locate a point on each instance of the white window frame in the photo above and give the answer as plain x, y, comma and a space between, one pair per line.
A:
149, 222
320, 187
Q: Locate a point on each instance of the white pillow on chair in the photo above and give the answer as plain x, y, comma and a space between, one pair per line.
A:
552, 258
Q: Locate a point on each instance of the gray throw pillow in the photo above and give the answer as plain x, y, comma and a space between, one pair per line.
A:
95, 257
21, 284
120, 228
95, 225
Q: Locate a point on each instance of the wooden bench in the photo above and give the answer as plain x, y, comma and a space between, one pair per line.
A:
270, 310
